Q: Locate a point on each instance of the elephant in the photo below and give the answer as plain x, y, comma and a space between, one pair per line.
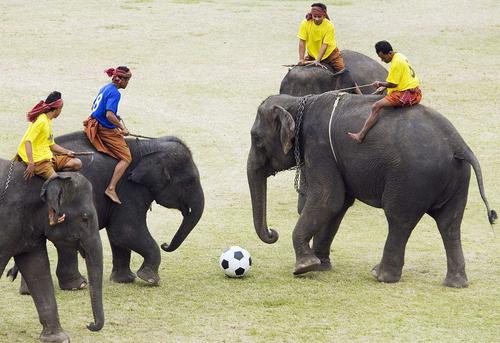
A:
162, 170
363, 70
25, 228
413, 162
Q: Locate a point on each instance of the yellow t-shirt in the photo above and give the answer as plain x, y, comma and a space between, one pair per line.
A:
40, 135
317, 35
402, 74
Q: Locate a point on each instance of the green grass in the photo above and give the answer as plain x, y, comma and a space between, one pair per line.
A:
200, 69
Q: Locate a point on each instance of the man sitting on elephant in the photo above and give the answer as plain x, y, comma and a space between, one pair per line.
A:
37, 147
402, 86
317, 34
104, 128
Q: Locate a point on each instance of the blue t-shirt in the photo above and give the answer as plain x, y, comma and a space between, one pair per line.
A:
107, 100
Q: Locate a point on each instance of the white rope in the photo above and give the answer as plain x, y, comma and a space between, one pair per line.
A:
330, 124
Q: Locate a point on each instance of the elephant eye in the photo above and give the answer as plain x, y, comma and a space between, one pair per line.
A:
85, 216
257, 141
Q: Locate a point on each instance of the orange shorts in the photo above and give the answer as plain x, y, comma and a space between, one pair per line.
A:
408, 97
334, 60
46, 168
108, 141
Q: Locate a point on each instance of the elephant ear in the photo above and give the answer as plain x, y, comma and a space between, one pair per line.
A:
286, 125
52, 191
43, 191
148, 170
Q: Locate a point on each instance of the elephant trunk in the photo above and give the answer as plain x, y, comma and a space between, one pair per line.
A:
257, 182
94, 262
191, 218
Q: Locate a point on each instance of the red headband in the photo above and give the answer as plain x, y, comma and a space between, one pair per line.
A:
117, 74
42, 107
317, 11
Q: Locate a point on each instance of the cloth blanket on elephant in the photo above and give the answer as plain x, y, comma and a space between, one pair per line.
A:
108, 141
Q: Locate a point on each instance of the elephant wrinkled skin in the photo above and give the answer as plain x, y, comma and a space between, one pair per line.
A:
25, 228
413, 162
162, 170
363, 70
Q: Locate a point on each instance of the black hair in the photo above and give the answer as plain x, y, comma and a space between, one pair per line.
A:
55, 95
123, 68
319, 4
383, 46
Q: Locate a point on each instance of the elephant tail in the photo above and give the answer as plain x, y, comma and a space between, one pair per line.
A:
469, 156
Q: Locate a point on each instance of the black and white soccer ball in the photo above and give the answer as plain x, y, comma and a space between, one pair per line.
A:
235, 261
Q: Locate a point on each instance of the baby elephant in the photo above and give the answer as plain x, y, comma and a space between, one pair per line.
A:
25, 228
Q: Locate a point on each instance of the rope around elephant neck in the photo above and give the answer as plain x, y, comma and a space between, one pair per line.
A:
330, 126
349, 88
298, 162
9, 175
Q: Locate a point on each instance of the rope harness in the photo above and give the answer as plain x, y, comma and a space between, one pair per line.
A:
7, 181
298, 163
300, 114
330, 126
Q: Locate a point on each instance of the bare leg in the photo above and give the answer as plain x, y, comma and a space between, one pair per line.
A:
73, 165
370, 121
117, 174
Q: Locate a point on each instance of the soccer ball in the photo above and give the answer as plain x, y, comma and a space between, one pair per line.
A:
235, 261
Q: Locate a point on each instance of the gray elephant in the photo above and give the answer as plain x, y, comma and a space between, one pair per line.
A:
412, 162
363, 70
25, 228
162, 170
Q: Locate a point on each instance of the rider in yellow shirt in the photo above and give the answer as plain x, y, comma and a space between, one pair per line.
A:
37, 147
317, 34
402, 86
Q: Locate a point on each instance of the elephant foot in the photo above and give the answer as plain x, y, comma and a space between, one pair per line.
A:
73, 285
385, 276
23, 288
123, 277
307, 264
59, 337
325, 265
457, 280
148, 275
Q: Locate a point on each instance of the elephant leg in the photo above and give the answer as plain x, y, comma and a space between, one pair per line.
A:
67, 272
312, 221
449, 219
36, 270
401, 224
121, 272
141, 241
322, 241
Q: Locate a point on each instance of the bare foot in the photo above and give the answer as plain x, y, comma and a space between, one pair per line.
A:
356, 137
112, 195
53, 222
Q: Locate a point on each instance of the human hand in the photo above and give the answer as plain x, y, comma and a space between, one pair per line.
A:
301, 62
318, 64
30, 171
70, 153
380, 90
125, 132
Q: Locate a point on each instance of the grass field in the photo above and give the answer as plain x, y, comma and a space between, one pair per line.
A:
200, 69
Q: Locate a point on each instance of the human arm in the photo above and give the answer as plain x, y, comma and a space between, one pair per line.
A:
382, 86
302, 51
30, 168
116, 122
59, 150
